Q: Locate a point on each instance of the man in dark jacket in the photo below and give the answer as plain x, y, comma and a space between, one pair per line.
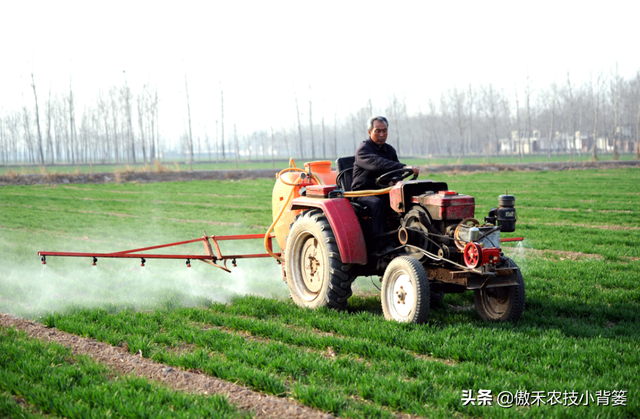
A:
374, 158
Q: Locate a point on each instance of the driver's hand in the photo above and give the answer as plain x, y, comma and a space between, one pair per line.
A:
415, 170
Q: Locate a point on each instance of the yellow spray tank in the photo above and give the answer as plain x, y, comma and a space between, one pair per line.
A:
289, 179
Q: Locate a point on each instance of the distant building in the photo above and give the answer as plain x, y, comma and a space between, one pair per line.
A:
521, 142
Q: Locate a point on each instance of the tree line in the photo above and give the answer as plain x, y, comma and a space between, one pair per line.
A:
119, 125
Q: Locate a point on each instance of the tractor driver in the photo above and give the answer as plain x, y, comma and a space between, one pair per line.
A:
374, 158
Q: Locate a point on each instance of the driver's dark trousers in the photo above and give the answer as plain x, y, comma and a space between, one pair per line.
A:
379, 205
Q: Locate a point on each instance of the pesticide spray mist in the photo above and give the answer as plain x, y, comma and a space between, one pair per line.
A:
518, 253
30, 289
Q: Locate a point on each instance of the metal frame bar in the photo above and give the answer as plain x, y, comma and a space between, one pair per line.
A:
512, 239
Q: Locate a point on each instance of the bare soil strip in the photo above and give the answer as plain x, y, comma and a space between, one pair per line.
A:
261, 405
560, 209
601, 227
155, 201
116, 214
50, 233
613, 227
553, 254
153, 192
142, 177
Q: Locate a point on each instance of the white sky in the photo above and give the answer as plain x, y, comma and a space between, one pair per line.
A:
260, 51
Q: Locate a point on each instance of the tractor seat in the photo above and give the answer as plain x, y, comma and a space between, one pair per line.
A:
345, 172
344, 180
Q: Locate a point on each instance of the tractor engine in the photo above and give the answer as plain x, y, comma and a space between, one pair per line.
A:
442, 223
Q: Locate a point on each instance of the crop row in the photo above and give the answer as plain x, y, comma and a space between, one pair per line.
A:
414, 369
50, 380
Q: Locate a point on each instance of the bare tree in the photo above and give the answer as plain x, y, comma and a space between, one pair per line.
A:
103, 107
423, 134
35, 96
447, 120
313, 148
553, 94
433, 133
572, 116
596, 88
335, 134
458, 106
263, 145
12, 122
470, 110
638, 131
4, 149
518, 139
396, 123
126, 94
207, 142
506, 111
186, 88
26, 134
353, 132
152, 117
118, 141
222, 122
324, 141
216, 150
72, 124
247, 140
235, 142
273, 162
50, 153
636, 99
300, 140
615, 87
141, 112
285, 139
490, 108
529, 128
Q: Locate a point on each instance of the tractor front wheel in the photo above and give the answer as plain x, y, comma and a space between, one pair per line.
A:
314, 269
502, 303
405, 291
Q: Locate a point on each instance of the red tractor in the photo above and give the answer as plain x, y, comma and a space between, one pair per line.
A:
326, 241
438, 246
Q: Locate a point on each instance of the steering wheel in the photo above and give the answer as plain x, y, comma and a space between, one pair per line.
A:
395, 176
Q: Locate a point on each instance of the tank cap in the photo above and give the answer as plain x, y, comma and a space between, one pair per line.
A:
448, 193
506, 200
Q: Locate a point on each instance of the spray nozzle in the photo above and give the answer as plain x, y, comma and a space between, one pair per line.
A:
233, 262
188, 263
143, 261
95, 260
44, 260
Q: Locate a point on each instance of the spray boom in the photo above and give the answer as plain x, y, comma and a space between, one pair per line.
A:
210, 257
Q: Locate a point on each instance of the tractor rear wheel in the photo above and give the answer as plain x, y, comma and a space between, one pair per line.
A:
502, 303
405, 291
315, 274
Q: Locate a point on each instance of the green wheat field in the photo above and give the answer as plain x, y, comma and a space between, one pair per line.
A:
574, 353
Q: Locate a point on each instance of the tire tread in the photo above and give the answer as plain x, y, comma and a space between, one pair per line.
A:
339, 285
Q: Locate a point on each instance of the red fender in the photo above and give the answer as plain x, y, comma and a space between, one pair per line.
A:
344, 223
